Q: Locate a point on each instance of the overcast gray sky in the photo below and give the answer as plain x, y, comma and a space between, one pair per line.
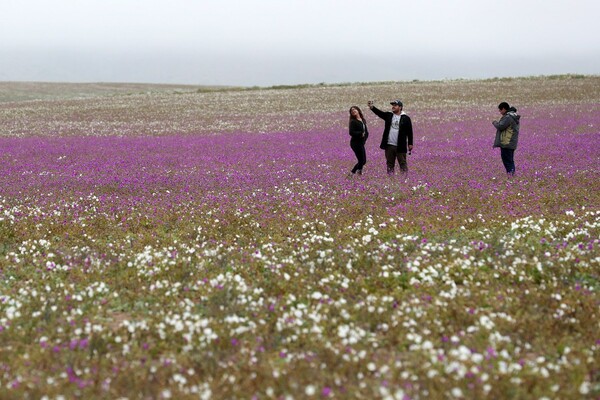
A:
272, 42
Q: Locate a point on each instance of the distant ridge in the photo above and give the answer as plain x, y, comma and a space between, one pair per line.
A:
25, 91
28, 91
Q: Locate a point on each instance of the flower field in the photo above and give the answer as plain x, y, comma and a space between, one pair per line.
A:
208, 244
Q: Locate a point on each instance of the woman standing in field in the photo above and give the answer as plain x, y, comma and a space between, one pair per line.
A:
357, 128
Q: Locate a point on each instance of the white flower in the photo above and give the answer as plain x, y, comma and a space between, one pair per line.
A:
584, 388
310, 390
343, 331
486, 322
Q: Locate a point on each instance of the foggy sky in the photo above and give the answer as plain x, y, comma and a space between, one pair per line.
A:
272, 42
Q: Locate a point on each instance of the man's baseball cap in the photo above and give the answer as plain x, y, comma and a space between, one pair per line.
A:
396, 103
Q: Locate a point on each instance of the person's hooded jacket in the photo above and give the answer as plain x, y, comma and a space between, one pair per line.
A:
405, 132
507, 130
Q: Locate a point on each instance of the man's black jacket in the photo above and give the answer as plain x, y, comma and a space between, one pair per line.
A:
405, 133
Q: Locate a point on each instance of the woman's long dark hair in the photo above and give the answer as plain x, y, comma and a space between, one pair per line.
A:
359, 113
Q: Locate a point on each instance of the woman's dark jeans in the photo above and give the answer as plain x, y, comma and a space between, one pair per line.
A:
361, 156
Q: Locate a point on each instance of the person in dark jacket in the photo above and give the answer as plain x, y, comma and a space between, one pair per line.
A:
507, 135
357, 128
397, 134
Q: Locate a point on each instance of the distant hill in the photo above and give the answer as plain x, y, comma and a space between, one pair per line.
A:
24, 91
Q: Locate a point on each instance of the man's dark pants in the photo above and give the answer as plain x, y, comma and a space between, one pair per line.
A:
391, 155
508, 159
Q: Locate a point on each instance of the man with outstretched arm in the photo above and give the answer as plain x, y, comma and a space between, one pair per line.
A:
397, 135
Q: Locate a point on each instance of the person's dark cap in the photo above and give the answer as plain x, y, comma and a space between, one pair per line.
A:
396, 103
